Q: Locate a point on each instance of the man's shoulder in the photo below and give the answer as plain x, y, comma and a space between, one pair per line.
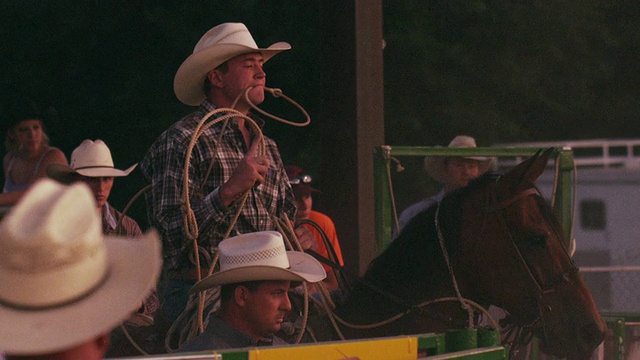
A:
174, 137
319, 217
126, 219
217, 335
416, 208
129, 224
324, 221
205, 341
183, 127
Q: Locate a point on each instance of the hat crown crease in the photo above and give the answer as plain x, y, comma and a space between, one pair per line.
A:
91, 154
238, 37
41, 241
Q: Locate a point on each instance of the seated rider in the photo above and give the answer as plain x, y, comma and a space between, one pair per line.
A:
453, 172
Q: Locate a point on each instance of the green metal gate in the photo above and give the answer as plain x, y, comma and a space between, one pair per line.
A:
382, 184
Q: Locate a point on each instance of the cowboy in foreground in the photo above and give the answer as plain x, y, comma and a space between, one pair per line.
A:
256, 274
91, 163
453, 172
224, 164
64, 285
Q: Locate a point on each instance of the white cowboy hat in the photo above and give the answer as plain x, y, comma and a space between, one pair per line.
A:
216, 46
435, 166
261, 256
92, 159
63, 283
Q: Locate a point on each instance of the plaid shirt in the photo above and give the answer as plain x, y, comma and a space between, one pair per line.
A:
163, 167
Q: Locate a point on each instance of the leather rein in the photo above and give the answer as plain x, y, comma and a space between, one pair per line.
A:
499, 208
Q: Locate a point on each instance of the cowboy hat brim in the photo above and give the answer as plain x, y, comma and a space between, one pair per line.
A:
189, 79
133, 268
304, 189
63, 173
303, 267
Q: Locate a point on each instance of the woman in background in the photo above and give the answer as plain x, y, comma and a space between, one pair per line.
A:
28, 151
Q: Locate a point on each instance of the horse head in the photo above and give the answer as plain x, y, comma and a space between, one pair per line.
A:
519, 250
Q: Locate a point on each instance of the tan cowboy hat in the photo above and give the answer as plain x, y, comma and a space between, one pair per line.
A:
216, 46
435, 165
92, 159
260, 256
63, 283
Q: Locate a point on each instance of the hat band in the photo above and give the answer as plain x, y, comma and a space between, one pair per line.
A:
271, 257
73, 300
94, 167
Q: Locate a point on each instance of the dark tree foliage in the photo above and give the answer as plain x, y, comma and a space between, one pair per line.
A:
510, 71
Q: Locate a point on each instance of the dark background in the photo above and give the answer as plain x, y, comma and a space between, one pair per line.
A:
501, 71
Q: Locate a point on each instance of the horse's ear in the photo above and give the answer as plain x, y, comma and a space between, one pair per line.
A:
525, 174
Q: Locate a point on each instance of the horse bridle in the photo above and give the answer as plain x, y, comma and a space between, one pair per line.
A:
543, 290
498, 207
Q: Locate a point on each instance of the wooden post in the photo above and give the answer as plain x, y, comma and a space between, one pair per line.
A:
351, 121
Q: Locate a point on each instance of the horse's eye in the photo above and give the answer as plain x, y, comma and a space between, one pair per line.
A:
538, 241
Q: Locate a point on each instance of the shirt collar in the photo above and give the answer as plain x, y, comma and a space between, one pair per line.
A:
107, 217
208, 107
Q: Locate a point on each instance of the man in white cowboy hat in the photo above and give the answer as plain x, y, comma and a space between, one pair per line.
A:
256, 273
452, 172
92, 164
64, 284
224, 163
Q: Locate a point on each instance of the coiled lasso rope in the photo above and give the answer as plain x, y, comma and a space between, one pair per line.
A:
196, 324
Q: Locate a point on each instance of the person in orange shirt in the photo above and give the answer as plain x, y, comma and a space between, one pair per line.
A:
302, 189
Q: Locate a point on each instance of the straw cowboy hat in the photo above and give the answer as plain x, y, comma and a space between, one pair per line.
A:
92, 159
63, 283
435, 166
261, 256
215, 47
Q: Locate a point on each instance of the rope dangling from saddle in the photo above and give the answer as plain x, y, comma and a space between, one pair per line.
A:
445, 253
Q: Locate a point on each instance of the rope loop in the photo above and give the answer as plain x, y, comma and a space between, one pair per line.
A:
468, 302
196, 325
277, 93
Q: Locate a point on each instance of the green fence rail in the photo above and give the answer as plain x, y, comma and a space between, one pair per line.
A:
382, 183
621, 334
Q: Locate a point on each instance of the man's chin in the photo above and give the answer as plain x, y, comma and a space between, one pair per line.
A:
276, 327
256, 95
